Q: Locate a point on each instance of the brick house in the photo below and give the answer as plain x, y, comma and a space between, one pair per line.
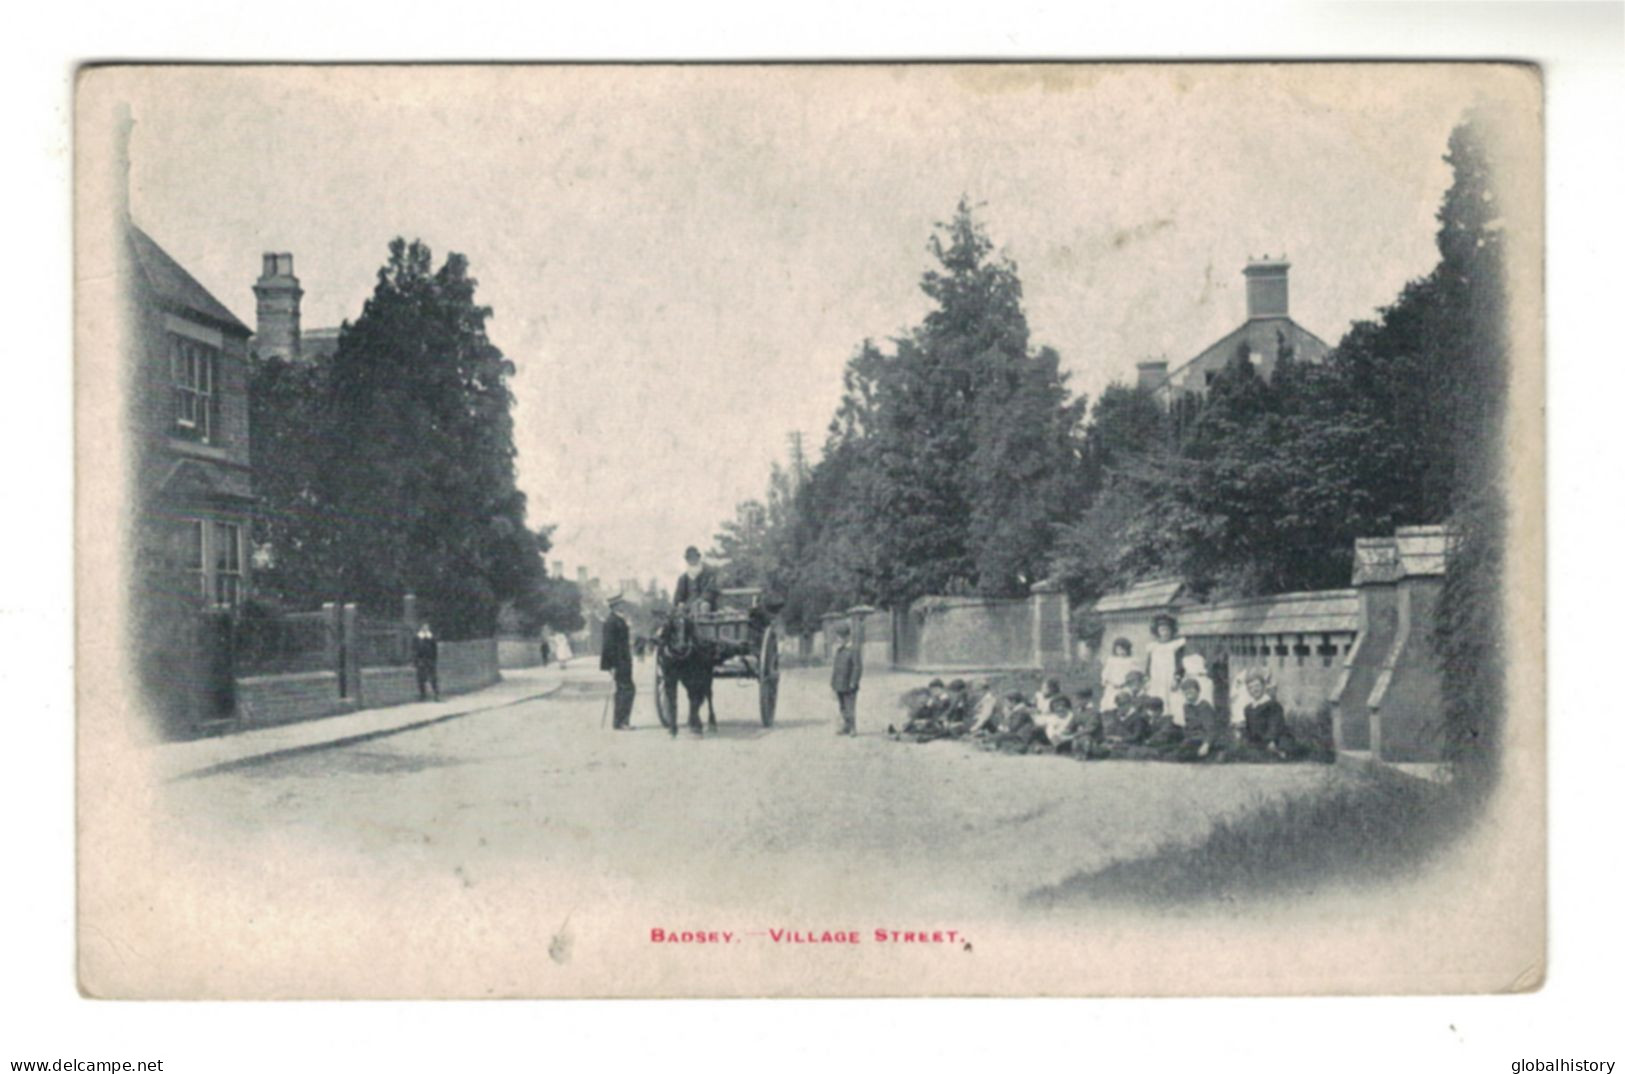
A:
1268, 330
189, 411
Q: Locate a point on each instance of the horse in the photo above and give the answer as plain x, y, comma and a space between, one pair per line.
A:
686, 657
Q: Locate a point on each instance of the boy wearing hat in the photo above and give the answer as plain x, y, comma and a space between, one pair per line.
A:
845, 674
616, 659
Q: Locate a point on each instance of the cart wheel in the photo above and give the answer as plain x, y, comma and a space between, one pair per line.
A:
663, 708
767, 676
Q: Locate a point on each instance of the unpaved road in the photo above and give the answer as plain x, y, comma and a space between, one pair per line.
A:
788, 820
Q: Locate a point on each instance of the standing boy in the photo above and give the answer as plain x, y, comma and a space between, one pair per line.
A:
426, 661
844, 678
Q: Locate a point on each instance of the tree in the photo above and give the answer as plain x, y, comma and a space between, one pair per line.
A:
403, 476
973, 436
552, 604
293, 528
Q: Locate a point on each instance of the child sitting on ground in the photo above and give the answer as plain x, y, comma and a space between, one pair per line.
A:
1206, 731
985, 713
1264, 730
1015, 719
1088, 737
1047, 695
1194, 667
927, 712
1055, 727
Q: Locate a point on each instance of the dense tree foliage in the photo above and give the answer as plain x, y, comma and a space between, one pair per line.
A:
390, 468
1262, 487
949, 461
956, 462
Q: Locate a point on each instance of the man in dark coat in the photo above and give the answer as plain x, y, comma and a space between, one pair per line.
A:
426, 661
845, 674
697, 587
616, 658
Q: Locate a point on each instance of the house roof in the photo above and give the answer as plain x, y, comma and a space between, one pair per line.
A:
319, 342
1332, 611
1157, 593
174, 287
1227, 342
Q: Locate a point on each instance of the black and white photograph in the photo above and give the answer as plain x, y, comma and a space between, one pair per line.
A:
810, 530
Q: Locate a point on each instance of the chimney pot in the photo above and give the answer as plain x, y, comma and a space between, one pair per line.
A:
276, 298
1267, 287
1152, 374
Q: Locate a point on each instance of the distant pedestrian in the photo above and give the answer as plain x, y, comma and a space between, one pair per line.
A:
547, 651
616, 658
844, 678
426, 659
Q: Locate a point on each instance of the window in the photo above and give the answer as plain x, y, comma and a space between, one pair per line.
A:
228, 563
185, 552
194, 370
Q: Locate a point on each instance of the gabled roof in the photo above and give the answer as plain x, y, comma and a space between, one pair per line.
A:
174, 288
1157, 593
1228, 341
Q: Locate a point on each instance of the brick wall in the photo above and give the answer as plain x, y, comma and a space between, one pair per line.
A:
272, 699
265, 700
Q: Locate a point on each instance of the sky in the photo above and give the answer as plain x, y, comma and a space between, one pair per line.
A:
680, 260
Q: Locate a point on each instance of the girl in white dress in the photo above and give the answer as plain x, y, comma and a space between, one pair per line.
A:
1195, 667
1163, 670
1114, 675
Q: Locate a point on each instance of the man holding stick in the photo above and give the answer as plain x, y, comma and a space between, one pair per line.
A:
616, 659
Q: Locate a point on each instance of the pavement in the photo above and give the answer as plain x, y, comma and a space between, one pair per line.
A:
222, 753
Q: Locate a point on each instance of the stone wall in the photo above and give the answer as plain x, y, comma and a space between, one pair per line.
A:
382, 687
1389, 700
468, 665
1301, 640
519, 652
967, 633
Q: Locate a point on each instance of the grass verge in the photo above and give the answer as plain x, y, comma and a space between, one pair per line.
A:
1380, 826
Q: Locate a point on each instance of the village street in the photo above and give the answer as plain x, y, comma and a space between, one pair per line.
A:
792, 819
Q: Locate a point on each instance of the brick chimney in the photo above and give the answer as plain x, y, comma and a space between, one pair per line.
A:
1152, 374
1266, 288
277, 296
558, 568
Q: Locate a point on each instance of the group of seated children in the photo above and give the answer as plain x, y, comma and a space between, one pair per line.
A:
1138, 725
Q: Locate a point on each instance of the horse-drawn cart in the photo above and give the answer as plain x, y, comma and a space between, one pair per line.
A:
695, 647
